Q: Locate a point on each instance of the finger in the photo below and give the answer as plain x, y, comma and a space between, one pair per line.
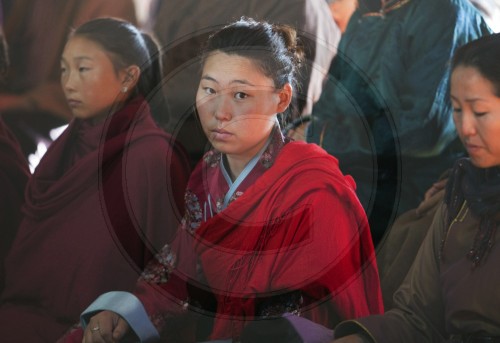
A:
429, 193
106, 327
93, 332
120, 330
442, 184
88, 335
85, 337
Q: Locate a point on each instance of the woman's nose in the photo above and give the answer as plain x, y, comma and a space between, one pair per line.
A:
468, 125
222, 110
67, 80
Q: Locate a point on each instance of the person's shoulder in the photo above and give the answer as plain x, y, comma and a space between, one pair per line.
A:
152, 145
309, 159
300, 150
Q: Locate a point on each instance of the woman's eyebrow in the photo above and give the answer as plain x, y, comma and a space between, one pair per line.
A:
209, 78
243, 82
237, 81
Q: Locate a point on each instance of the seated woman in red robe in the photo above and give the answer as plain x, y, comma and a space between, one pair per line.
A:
107, 194
271, 226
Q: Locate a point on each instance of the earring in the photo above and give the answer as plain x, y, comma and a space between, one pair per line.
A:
124, 89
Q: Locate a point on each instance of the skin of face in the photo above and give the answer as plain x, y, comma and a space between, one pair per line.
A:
237, 105
90, 82
476, 113
342, 11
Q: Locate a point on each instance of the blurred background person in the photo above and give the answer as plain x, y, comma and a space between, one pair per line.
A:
14, 174
385, 111
342, 11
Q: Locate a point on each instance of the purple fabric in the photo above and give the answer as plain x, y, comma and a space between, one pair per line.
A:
309, 331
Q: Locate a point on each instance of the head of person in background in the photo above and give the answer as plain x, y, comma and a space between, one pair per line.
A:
475, 96
247, 80
342, 11
107, 62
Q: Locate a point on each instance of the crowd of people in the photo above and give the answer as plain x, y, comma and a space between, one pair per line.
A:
279, 171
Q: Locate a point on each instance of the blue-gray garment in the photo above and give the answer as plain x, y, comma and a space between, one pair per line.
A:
398, 61
385, 111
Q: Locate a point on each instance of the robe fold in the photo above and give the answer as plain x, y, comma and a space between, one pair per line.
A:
14, 174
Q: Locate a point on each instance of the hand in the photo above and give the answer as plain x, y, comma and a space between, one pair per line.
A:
105, 327
436, 187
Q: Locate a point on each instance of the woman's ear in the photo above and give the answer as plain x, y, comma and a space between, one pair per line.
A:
130, 76
285, 97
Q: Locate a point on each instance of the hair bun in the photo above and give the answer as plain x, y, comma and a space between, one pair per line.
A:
292, 42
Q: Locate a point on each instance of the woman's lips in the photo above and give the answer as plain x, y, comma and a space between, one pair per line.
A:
221, 134
74, 103
472, 149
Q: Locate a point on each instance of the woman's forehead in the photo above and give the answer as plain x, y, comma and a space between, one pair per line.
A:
80, 46
226, 68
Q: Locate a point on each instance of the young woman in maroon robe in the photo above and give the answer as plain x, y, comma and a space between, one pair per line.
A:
106, 196
14, 174
271, 226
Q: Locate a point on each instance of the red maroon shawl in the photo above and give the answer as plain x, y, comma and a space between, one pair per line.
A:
297, 240
14, 174
101, 202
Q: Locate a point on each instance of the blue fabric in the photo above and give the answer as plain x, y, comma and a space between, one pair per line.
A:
129, 308
394, 66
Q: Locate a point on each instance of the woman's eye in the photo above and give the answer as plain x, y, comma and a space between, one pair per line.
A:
479, 114
240, 95
63, 70
83, 69
208, 90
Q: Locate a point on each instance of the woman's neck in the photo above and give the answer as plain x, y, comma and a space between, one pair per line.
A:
235, 165
101, 116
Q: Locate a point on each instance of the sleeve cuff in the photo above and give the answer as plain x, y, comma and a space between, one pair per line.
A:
309, 331
129, 308
352, 327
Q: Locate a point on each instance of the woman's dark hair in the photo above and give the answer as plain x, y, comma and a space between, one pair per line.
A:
274, 48
483, 54
127, 46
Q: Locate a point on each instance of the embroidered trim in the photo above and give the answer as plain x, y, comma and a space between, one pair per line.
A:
458, 218
387, 8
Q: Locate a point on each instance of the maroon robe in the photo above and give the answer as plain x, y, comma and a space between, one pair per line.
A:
14, 174
103, 200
